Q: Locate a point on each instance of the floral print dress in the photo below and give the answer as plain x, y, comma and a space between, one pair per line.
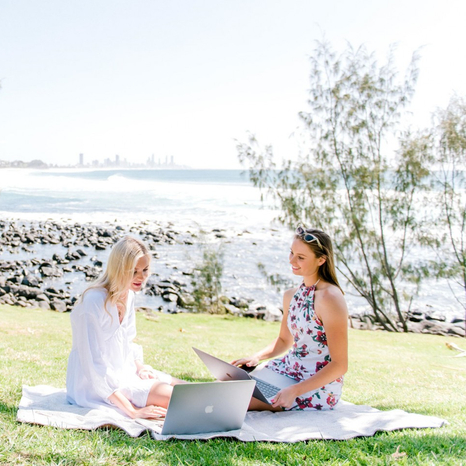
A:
309, 353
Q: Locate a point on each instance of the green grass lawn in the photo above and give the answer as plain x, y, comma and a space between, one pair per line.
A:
417, 373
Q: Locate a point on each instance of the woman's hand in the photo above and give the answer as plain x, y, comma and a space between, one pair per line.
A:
285, 398
149, 412
146, 372
250, 361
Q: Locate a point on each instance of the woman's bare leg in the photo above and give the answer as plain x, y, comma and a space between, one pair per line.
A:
257, 405
176, 381
159, 394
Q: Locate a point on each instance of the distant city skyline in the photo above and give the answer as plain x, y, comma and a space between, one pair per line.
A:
167, 163
151, 162
188, 79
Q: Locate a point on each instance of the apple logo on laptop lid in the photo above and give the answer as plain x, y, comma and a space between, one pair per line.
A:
209, 409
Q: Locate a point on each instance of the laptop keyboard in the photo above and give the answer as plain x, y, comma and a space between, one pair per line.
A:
267, 389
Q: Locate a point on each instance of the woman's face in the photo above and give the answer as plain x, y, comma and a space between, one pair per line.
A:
140, 274
303, 260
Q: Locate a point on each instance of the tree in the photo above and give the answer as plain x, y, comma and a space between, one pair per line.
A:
348, 182
450, 180
206, 279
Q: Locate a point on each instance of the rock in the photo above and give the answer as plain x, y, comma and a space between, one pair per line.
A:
26, 292
152, 291
91, 272
51, 271
53, 239
416, 316
178, 283
29, 238
273, 314
165, 284
52, 292
359, 325
429, 326
16, 279
104, 233
59, 306
239, 302
145, 310
171, 297
455, 330
31, 281
230, 309
437, 316
5, 266
455, 320
459, 324
44, 305
72, 256
255, 310
185, 300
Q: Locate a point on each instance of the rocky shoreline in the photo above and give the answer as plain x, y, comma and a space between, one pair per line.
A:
26, 282
76, 249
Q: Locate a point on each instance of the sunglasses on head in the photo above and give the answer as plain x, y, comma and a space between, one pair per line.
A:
308, 237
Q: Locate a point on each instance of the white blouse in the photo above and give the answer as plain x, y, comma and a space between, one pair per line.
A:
103, 354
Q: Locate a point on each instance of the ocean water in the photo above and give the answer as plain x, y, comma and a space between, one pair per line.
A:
178, 196
189, 201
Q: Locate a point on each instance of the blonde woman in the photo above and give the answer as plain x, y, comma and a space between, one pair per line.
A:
105, 367
313, 331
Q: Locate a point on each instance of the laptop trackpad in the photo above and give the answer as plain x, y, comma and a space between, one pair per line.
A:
270, 376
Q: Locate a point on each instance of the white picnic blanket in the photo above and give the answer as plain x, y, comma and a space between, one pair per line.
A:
47, 406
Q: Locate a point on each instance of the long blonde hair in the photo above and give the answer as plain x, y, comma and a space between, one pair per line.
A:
120, 269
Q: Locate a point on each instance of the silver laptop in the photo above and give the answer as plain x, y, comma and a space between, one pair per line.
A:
268, 382
207, 407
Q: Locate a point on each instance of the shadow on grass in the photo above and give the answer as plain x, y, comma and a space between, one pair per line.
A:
8, 409
434, 445
116, 447
430, 446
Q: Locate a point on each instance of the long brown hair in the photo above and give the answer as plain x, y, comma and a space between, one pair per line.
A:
322, 247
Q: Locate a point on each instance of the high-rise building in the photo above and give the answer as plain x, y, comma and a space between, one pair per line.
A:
81, 159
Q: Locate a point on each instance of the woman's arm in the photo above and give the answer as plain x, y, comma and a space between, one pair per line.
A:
148, 412
332, 311
279, 345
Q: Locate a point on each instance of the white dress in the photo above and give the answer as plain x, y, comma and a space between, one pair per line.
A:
102, 358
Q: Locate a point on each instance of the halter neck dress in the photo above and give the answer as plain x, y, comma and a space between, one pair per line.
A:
309, 353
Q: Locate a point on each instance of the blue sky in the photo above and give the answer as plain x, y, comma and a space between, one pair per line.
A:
185, 78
